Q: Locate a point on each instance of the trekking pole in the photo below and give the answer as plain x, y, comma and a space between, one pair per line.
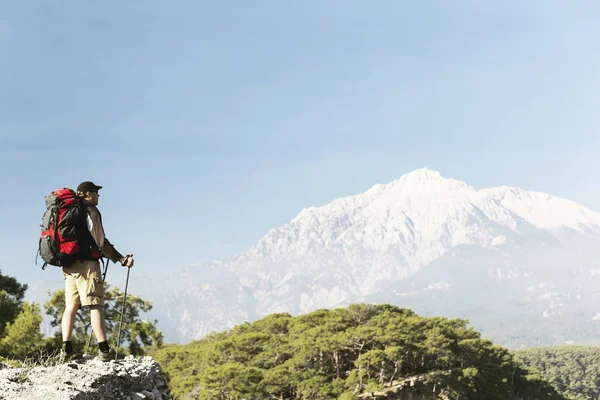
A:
87, 347
122, 309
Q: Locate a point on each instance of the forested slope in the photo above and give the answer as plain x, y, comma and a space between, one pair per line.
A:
573, 370
346, 353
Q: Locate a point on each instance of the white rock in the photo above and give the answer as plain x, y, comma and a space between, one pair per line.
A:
88, 380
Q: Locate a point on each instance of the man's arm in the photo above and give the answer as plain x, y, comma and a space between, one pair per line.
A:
112, 253
109, 251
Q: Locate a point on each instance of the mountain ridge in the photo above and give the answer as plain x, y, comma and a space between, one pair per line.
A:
397, 243
424, 214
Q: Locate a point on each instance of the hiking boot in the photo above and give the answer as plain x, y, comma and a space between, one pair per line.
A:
106, 356
72, 356
109, 355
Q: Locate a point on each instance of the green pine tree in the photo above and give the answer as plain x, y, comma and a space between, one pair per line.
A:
11, 300
23, 337
137, 335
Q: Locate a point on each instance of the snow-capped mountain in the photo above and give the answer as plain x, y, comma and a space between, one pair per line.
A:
503, 257
393, 230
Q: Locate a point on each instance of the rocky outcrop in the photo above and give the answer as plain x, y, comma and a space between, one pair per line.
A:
413, 388
87, 379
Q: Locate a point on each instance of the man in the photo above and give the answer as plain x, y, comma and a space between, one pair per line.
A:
83, 279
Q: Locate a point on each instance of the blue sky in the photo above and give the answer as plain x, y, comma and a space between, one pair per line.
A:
209, 123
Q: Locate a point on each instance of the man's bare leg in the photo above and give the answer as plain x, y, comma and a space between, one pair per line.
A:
98, 323
68, 320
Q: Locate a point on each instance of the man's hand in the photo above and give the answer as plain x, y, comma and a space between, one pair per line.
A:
127, 261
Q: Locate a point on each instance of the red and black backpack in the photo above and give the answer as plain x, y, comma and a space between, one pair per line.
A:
60, 241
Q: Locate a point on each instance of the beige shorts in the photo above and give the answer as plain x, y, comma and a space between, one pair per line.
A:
83, 283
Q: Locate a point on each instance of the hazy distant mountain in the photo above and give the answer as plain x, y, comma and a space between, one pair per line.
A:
522, 266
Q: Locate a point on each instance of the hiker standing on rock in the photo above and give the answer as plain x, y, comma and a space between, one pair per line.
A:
84, 285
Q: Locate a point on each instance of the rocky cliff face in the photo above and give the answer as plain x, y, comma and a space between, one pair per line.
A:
87, 379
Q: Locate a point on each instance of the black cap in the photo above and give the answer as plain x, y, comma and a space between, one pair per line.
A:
88, 186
